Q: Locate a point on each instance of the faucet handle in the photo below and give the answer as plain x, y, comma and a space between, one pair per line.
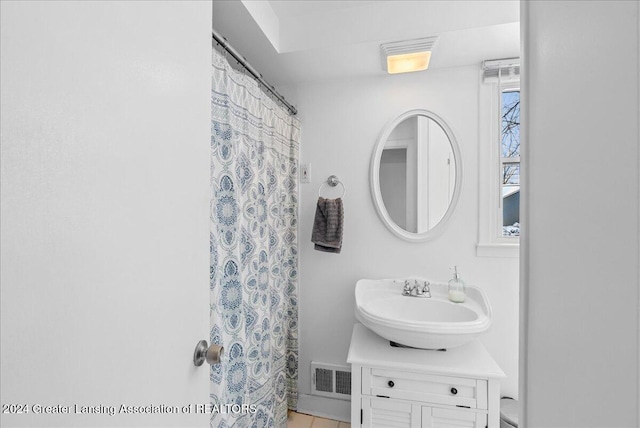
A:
426, 290
407, 288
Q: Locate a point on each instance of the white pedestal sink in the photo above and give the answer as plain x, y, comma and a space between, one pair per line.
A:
421, 322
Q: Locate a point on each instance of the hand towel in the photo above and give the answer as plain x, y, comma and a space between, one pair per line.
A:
327, 225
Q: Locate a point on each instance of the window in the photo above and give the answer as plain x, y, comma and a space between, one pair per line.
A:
510, 161
499, 159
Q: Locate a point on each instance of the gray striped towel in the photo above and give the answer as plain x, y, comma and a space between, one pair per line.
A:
327, 225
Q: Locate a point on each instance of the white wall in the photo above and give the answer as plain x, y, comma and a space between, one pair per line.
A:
582, 276
342, 121
105, 112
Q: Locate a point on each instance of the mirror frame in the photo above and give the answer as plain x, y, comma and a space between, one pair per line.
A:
375, 178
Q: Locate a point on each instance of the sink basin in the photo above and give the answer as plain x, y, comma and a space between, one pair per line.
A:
421, 322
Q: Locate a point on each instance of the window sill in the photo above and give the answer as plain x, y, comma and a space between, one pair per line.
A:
498, 250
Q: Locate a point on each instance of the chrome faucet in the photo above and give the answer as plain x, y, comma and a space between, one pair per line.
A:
416, 290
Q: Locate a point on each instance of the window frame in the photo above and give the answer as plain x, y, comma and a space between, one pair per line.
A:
491, 242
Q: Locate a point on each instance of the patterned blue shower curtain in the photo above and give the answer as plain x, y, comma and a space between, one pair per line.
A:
254, 260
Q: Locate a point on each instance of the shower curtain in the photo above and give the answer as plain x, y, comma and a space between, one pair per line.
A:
254, 261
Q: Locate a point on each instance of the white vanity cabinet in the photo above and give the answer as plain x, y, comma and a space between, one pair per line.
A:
405, 387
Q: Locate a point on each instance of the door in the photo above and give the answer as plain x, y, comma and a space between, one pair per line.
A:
104, 222
450, 418
385, 412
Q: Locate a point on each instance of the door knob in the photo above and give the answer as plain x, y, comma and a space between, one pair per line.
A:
212, 354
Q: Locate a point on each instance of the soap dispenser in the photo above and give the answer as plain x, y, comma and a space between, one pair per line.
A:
457, 290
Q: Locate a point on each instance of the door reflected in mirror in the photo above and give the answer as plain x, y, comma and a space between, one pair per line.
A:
415, 174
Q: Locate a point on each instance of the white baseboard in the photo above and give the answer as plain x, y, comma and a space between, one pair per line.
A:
330, 408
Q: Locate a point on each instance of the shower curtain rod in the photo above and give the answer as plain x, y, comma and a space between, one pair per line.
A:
222, 41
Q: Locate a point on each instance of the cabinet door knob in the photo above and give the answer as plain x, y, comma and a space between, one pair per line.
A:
391, 384
454, 391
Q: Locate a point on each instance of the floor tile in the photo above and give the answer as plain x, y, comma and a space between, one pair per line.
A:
299, 420
324, 423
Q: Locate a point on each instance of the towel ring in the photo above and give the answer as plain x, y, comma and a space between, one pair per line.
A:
333, 181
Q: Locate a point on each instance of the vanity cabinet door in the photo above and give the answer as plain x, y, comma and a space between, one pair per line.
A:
389, 413
383, 412
449, 418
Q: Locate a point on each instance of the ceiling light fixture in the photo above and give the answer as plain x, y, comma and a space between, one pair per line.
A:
408, 55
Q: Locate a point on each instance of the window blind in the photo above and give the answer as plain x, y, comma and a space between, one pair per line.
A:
501, 70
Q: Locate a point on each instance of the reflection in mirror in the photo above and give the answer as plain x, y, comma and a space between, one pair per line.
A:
415, 174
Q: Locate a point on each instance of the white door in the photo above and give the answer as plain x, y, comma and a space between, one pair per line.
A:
433, 417
385, 412
105, 110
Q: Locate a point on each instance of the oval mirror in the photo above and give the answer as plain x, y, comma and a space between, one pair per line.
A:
416, 175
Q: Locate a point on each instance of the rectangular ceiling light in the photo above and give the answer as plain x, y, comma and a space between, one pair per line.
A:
408, 55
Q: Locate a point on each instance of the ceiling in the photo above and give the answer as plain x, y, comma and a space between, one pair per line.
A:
293, 42
286, 9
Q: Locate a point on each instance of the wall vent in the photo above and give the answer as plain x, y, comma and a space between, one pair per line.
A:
331, 380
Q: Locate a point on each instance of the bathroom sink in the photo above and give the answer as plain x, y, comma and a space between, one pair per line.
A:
421, 322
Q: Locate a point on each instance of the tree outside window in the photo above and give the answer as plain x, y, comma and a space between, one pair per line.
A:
510, 161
